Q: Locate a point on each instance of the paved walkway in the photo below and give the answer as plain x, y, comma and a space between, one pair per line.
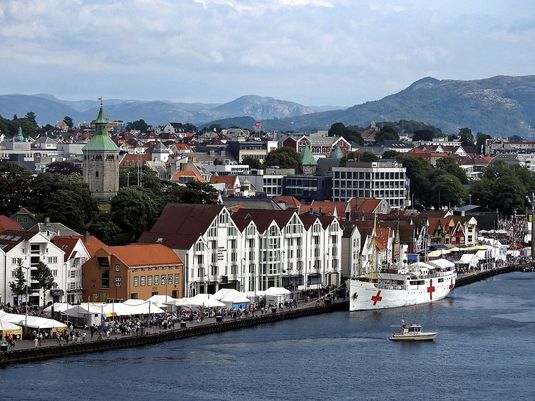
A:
26, 344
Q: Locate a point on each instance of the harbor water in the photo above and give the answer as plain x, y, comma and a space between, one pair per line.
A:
485, 351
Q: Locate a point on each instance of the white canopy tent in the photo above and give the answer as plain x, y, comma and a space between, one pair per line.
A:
469, 259
442, 263
58, 307
160, 300
34, 322
277, 295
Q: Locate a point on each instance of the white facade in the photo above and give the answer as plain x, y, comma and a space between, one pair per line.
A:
249, 260
30, 251
383, 179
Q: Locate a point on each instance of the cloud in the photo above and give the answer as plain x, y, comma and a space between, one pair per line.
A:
313, 51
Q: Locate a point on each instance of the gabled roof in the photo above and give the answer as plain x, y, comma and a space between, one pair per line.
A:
262, 218
181, 224
93, 244
366, 205
7, 224
23, 211
66, 243
192, 174
142, 254
58, 228
11, 238
289, 201
329, 208
229, 180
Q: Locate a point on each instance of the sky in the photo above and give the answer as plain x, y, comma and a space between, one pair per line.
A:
315, 52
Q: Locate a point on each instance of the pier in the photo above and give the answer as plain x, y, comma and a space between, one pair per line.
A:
28, 353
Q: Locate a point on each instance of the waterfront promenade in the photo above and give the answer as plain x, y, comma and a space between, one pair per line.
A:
26, 351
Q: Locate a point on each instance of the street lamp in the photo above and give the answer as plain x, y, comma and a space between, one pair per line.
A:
241, 272
27, 268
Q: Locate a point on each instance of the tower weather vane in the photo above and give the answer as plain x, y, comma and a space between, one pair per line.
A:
100, 99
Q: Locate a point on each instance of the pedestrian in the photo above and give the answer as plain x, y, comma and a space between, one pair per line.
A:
36, 341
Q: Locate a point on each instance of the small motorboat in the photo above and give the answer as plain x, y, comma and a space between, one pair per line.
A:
413, 332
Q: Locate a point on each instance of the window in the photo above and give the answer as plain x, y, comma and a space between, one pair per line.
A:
136, 281
16, 261
177, 278
169, 279
52, 259
73, 273
149, 280
143, 281
105, 278
117, 267
156, 280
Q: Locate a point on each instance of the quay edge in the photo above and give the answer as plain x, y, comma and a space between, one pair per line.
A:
38, 354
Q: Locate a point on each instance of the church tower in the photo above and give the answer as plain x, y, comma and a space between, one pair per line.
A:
101, 162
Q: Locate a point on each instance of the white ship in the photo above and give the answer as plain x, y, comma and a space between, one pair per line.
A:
403, 285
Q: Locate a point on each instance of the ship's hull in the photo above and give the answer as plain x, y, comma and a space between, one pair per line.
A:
366, 295
414, 337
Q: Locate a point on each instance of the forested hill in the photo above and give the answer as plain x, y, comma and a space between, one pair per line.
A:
501, 105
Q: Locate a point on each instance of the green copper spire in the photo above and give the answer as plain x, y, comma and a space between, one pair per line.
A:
20, 136
101, 140
306, 157
337, 154
100, 122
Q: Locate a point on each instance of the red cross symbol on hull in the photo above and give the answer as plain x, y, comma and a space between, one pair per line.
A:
377, 297
452, 284
431, 289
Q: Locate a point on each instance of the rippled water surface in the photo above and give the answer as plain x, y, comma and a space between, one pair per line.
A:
485, 351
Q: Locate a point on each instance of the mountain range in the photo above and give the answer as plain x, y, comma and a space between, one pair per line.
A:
49, 109
500, 106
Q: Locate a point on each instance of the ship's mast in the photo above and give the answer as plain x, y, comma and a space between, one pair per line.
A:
373, 272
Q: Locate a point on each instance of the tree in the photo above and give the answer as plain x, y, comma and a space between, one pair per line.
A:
359, 157
15, 182
68, 121
446, 190
390, 154
252, 163
423, 135
466, 136
387, 133
18, 286
30, 116
65, 199
284, 158
351, 133
63, 168
44, 278
134, 210
104, 228
450, 165
193, 192
337, 130
138, 125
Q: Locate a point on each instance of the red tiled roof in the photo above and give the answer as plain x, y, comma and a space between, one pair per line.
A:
66, 243
7, 224
143, 254
192, 174
93, 245
229, 180
289, 201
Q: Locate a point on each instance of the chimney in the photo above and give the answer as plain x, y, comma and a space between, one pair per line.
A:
87, 237
47, 220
